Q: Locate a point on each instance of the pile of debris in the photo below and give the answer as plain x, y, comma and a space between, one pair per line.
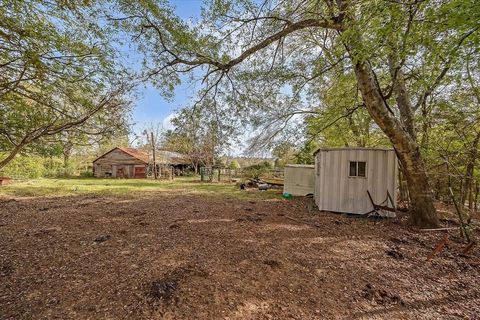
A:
260, 184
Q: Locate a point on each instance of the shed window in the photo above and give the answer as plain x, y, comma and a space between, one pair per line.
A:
358, 169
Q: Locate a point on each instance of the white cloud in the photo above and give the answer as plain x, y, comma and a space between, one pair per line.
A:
167, 121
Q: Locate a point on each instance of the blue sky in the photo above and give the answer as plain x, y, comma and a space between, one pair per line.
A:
151, 107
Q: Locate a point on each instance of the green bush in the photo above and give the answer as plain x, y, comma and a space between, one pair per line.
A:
256, 171
53, 168
24, 167
33, 166
234, 165
86, 174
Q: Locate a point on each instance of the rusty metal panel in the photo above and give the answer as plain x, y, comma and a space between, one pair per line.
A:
140, 172
118, 157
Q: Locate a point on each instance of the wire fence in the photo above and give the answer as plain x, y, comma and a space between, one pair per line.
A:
229, 175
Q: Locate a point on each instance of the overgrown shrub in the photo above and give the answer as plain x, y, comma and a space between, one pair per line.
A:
53, 168
234, 165
24, 167
86, 173
33, 166
256, 171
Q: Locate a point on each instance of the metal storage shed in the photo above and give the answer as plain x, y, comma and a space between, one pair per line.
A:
344, 175
299, 180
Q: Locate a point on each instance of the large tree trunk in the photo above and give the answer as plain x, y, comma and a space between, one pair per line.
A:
421, 195
67, 152
10, 156
401, 96
408, 151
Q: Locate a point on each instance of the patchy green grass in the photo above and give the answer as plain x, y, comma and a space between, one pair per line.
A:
126, 187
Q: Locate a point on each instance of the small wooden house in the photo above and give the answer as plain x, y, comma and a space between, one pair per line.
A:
349, 180
121, 163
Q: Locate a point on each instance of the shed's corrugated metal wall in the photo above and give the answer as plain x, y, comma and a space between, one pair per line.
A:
299, 180
336, 191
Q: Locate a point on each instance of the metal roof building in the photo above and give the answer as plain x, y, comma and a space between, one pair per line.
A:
345, 178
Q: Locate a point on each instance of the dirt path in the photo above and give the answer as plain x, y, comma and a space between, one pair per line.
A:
191, 257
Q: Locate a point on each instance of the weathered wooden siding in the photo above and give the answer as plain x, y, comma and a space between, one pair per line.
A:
336, 191
117, 164
118, 157
299, 180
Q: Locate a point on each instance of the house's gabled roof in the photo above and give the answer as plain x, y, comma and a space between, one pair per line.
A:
161, 156
140, 155
137, 154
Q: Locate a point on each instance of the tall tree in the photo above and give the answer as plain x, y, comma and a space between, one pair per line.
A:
450, 132
199, 134
284, 154
399, 52
57, 74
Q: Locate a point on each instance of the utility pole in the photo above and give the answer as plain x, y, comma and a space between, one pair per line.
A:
153, 153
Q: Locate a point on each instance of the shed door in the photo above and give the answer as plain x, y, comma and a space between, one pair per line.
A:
139, 172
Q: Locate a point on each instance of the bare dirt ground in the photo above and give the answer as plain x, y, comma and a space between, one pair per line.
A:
194, 257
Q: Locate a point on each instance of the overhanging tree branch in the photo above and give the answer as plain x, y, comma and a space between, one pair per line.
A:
290, 28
